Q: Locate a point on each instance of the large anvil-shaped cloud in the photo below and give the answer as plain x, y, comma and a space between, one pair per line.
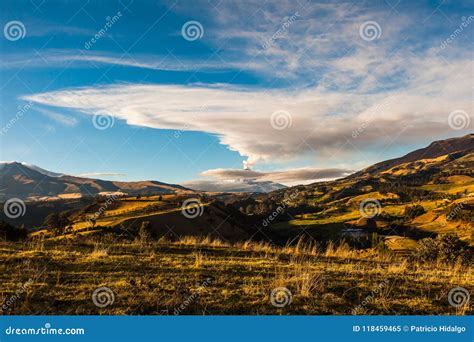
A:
274, 126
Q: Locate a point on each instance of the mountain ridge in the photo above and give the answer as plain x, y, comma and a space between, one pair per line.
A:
27, 181
24, 180
438, 148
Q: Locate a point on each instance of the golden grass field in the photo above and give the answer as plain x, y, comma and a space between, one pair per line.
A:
204, 277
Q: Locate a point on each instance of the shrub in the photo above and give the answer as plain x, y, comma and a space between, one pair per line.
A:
11, 233
414, 211
445, 247
427, 249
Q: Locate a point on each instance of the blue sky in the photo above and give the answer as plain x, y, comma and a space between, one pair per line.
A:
296, 91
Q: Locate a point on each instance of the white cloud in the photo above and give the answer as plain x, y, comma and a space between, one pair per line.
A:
60, 118
364, 95
81, 58
322, 122
101, 174
288, 177
243, 185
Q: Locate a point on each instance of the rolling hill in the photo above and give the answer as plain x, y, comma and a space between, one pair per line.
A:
31, 182
437, 180
439, 186
458, 146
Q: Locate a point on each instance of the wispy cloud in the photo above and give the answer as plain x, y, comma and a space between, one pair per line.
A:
65, 120
81, 58
101, 174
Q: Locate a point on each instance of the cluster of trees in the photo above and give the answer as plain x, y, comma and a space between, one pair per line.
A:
460, 212
263, 208
413, 211
57, 222
408, 194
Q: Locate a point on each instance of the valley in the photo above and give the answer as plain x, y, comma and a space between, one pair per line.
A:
407, 223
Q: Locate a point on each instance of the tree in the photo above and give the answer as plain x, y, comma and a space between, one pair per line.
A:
11, 233
56, 222
145, 232
414, 211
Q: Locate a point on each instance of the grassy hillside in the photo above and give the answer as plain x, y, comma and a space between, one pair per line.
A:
393, 240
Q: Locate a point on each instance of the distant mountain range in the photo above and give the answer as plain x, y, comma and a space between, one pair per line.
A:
28, 181
240, 185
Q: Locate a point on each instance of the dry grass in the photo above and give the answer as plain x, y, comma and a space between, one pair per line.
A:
214, 277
